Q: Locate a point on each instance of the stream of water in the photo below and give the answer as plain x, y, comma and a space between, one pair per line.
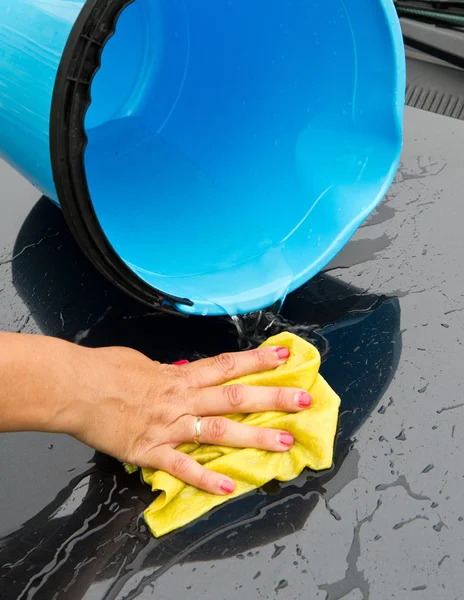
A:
254, 328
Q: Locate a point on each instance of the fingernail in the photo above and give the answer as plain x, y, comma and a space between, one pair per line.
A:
303, 399
227, 486
181, 363
282, 353
286, 439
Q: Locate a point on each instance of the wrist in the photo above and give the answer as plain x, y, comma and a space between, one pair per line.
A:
79, 389
40, 383
97, 392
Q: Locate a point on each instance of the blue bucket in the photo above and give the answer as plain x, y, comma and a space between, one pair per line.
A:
209, 156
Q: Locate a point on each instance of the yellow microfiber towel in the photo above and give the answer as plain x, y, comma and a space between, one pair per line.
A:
314, 431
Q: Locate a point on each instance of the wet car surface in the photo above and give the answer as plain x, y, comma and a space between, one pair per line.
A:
387, 315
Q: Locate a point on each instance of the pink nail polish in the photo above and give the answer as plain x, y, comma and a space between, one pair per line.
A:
286, 439
227, 486
303, 400
282, 353
181, 363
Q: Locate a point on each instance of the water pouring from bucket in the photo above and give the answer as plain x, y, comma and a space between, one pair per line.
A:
209, 157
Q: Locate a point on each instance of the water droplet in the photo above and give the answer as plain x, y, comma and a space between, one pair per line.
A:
283, 583
439, 526
278, 550
442, 560
142, 527
334, 513
401, 436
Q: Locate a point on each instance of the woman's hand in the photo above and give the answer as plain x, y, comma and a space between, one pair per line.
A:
147, 409
118, 401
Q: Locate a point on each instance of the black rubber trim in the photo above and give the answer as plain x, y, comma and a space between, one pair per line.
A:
71, 98
435, 51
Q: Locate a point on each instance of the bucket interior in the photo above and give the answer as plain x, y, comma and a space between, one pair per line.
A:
235, 146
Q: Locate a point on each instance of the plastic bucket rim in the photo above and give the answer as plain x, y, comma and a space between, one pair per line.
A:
79, 63
71, 99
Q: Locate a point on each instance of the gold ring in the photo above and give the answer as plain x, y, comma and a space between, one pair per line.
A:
196, 439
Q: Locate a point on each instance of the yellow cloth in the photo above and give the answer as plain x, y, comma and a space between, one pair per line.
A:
314, 430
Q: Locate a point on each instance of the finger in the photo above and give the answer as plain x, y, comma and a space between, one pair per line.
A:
185, 468
224, 432
225, 367
248, 399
